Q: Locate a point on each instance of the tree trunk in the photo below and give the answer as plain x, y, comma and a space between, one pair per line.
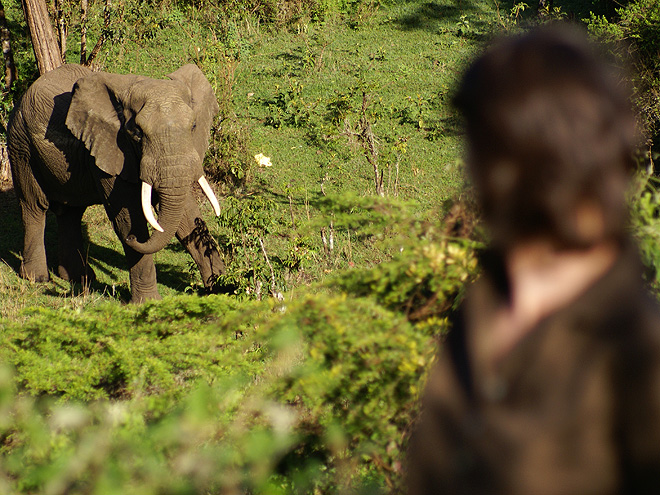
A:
44, 42
5, 38
5, 170
83, 32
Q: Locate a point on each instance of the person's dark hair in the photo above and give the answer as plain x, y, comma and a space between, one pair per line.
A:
550, 127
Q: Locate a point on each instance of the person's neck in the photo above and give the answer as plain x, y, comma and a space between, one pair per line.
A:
543, 279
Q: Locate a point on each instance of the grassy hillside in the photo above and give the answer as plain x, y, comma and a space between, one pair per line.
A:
293, 91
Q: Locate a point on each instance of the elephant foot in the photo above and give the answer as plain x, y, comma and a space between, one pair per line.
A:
34, 272
83, 275
211, 267
140, 297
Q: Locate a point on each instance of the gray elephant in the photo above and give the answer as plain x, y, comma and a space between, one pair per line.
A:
79, 138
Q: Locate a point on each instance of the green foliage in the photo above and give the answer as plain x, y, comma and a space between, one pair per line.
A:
245, 222
634, 34
217, 394
324, 70
110, 448
645, 215
313, 393
263, 251
290, 107
96, 354
310, 395
410, 283
359, 119
360, 361
228, 160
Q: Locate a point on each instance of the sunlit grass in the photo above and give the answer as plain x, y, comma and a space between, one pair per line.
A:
406, 56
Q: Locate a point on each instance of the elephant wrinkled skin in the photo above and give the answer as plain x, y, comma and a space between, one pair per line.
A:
79, 138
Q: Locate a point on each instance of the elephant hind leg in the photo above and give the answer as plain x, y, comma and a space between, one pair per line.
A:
34, 266
73, 260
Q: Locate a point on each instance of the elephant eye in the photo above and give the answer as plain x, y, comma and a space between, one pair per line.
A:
194, 126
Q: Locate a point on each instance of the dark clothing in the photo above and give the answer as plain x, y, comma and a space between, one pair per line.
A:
573, 408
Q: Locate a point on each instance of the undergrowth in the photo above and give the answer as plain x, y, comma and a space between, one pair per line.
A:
313, 395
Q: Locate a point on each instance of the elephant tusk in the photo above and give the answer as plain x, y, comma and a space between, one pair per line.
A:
146, 207
209, 194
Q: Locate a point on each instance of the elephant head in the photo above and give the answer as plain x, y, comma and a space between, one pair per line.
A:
148, 130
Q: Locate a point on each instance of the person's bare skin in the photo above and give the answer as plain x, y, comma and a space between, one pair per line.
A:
542, 280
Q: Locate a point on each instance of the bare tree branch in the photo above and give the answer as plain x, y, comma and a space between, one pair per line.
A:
60, 22
99, 43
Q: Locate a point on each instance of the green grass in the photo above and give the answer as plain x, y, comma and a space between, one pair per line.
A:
398, 62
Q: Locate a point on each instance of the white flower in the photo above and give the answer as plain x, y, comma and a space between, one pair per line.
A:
263, 160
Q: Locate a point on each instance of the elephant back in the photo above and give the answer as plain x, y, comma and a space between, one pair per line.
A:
40, 146
46, 102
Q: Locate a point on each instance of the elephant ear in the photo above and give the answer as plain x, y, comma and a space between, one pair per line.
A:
96, 117
203, 102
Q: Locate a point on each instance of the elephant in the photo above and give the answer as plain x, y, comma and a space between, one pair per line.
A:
78, 138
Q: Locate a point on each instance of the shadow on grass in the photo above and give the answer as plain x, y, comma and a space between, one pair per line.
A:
104, 260
11, 233
167, 274
435, 15
430, 15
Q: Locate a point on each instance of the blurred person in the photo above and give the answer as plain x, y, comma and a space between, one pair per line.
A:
549, 380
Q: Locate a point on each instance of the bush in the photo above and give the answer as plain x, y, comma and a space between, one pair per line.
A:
635, 34
312, 396
410, 284
645, 205
218, 394
114, 352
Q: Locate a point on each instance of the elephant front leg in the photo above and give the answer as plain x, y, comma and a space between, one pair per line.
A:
141, 267
194, 235
125, 211
142, 276
34, 266
73, 260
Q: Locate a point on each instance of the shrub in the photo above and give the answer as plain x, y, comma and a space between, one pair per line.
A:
119, 352
311, 396
634, 33
410, 283
645, 206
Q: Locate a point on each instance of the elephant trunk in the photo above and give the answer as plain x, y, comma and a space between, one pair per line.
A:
169, 218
